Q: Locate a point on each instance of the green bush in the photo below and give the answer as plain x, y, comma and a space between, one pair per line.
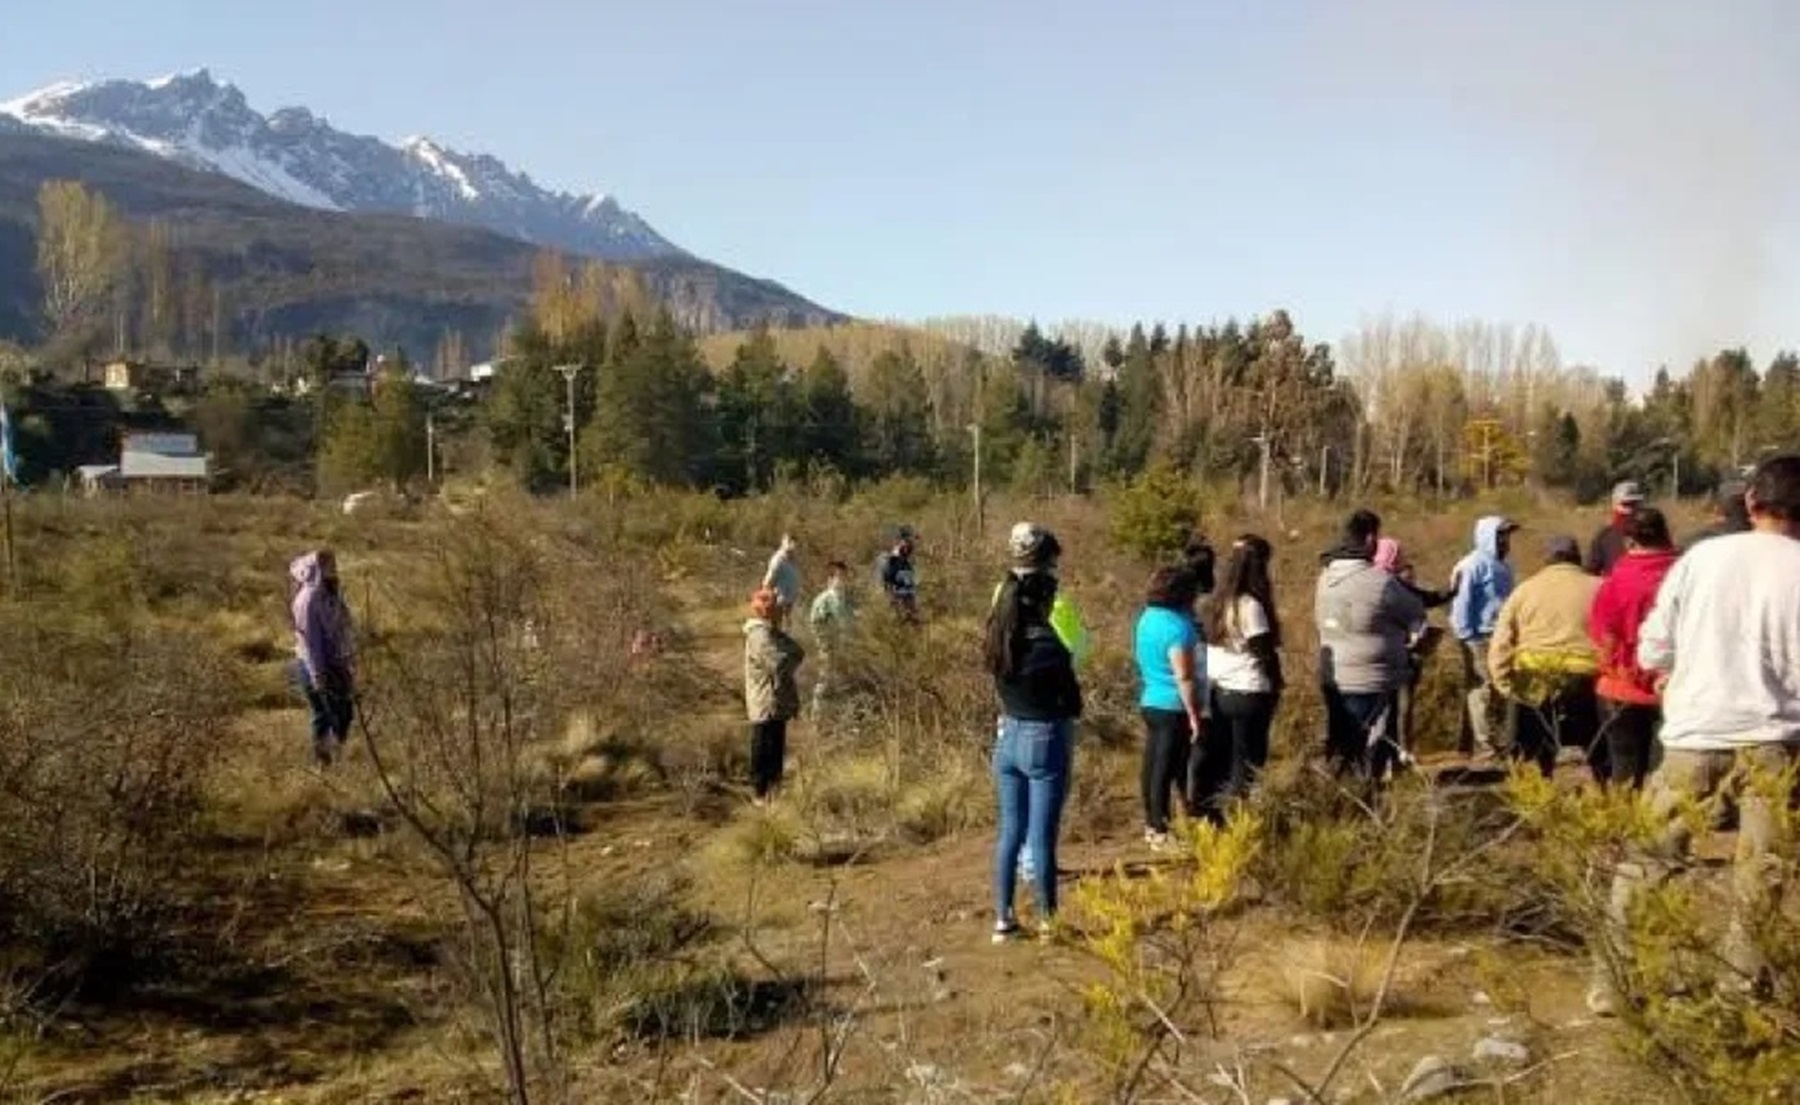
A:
1154, 516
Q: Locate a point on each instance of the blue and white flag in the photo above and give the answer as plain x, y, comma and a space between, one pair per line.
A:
9, 457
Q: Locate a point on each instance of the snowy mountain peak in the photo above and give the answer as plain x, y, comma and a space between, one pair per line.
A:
194, 119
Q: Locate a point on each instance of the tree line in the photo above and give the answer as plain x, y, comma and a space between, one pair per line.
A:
597, 380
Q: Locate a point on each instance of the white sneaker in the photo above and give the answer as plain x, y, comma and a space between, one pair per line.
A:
1602, 1000
1005, 932
1158, 842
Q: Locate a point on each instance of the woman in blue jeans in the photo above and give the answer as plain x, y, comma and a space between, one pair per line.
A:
1040, 700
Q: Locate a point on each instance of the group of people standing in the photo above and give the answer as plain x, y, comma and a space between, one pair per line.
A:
772, 656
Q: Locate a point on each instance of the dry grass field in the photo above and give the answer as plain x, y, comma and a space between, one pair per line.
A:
538, 860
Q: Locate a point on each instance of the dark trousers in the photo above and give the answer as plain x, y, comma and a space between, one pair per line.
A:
768, 751
1168, 741
1359, 732
1568, 717
1240, 723
332, 701
1628, 742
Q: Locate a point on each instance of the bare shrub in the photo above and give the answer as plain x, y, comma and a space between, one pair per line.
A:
108, 731
500, 636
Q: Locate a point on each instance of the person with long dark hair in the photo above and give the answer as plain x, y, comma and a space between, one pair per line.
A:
1170, 669
1630, 707
1243, 670
1040, 701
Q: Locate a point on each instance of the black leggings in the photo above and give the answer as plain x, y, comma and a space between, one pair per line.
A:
768, 750
1628, 741
1241, 724
1167, 746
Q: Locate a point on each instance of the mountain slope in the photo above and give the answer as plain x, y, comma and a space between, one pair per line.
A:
294, 155
287, 270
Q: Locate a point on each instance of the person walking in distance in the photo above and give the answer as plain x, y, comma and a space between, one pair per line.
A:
1630, 710
1243, 664
1481, 582
1170, 663
899, 579
783, 576
1543, 663
1608, 546
324, 650
1723, 640
771, 691
1040, 702
1365, 618
831, 618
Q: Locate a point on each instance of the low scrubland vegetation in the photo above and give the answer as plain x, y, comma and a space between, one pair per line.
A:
536, 876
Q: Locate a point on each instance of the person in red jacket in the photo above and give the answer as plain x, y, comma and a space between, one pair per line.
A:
1630, 710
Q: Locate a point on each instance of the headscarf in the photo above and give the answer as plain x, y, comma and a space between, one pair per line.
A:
1389, 556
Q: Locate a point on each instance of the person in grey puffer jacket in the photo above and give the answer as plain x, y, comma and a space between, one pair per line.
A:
771, 691
1365, 618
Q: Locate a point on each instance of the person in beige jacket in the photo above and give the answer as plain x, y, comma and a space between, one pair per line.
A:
771, 692
1543, 660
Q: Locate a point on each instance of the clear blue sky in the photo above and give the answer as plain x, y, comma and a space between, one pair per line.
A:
1620, 172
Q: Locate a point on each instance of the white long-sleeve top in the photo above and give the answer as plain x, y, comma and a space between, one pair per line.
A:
1726, 631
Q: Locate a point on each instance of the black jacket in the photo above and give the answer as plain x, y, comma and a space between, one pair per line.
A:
1607, 549
1431, 599
1042, 686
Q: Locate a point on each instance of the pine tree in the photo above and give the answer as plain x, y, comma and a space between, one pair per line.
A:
900, 418
831, 422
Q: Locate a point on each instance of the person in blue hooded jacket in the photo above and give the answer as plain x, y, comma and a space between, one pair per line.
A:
1481, 583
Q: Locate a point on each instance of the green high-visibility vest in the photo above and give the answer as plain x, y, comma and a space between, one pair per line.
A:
1065, 620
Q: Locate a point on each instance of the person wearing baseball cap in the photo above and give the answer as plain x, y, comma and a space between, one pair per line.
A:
1040, 703
1608, 546
1731, 513
1543, 661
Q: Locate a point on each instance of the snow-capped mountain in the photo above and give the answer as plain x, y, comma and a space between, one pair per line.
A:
294, 155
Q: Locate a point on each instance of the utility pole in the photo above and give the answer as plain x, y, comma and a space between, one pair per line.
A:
1262, 482
568, 374
1324, 467
1675, 477
980, 506
1074, 463
430, 449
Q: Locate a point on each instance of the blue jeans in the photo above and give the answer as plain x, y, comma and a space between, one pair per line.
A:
1031, 777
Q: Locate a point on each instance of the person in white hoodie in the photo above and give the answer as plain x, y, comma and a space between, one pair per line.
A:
1723, 642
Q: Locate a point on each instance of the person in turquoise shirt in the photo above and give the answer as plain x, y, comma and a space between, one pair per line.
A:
1172, 669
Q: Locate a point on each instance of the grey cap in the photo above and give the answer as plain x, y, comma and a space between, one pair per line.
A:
1627, 493
1561, 547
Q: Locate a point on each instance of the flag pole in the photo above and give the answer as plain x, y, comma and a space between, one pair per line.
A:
12, 564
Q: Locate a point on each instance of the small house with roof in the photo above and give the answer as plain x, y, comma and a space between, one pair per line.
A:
154, 463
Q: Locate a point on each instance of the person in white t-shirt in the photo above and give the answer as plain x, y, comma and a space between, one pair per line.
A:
1243, 664
1723, 646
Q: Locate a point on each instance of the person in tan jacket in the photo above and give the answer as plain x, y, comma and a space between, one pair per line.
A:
771, 692
1543, 660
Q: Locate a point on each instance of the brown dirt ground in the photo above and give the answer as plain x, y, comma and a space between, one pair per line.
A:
323, 992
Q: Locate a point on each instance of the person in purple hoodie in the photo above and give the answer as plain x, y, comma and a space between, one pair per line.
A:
324, 651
